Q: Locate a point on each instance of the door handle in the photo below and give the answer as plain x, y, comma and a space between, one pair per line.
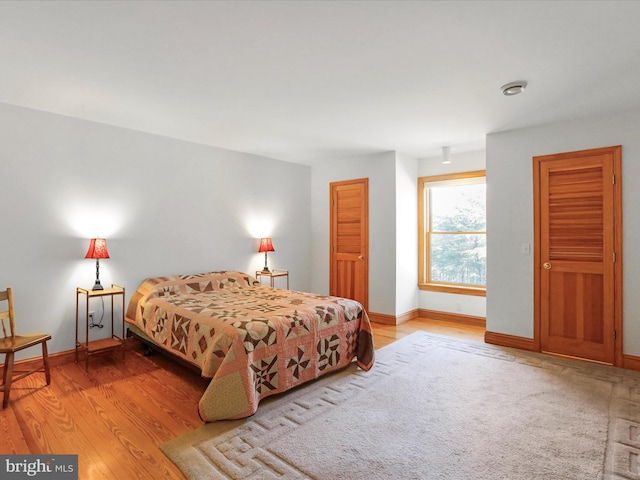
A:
546, 266
360, 257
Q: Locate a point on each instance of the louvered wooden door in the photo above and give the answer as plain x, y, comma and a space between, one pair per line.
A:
576, 252
349, 264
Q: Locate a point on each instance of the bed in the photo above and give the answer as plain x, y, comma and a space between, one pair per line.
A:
252, 340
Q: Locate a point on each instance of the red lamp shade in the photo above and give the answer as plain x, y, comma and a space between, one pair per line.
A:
97, 249
266, 245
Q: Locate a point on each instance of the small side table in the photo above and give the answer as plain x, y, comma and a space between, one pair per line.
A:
105, 344
273, 275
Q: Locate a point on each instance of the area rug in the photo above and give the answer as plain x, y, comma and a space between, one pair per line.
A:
434, 407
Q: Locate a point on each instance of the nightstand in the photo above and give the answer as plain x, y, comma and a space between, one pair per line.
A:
104, 344
273, 275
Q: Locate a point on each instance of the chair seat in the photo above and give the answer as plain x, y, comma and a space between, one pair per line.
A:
20, 342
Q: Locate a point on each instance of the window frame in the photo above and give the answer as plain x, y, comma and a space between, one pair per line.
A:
423, 236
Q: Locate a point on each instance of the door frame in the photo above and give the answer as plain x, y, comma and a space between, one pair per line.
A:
616, 152
364, 220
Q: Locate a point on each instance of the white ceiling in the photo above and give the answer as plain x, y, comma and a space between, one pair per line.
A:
305, 81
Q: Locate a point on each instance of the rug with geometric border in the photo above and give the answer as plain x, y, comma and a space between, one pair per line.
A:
434, 407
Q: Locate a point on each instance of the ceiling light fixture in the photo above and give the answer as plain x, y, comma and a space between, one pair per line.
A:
513, 88
446, 155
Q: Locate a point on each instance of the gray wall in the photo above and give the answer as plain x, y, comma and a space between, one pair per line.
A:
510, 215
380, 169
165, 207
406, 234
393, 231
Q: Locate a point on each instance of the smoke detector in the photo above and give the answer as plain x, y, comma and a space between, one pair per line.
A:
513, 88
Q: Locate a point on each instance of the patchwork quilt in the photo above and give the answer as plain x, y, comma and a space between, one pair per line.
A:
252, 340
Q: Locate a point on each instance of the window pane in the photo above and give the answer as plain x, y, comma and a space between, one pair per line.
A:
458, 258
458, 208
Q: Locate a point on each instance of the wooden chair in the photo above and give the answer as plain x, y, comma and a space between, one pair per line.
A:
12, 343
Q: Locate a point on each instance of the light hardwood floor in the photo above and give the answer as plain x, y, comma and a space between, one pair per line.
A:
116, 414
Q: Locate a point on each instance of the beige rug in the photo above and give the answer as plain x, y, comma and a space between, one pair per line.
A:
434, 407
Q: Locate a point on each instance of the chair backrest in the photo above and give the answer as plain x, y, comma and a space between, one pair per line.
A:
7, 295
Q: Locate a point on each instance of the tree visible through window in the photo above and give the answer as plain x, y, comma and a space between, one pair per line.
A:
453, 233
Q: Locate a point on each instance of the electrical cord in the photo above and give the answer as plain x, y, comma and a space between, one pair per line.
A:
98, 324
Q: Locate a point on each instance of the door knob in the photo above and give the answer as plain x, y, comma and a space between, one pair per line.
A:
360, 257
546, 266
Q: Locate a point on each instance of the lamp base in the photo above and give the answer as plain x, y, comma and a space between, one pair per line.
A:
266, 270
97, 285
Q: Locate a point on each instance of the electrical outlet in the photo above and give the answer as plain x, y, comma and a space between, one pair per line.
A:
91, 313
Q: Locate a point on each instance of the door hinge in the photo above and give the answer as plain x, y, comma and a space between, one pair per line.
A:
613, 179
614, 334
614, 257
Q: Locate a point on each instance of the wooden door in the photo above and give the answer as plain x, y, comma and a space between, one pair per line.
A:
578, 254
349, 233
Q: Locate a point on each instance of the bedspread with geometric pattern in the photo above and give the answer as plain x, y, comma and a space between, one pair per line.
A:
253, 341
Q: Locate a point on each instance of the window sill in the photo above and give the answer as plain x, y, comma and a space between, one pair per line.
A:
457, 289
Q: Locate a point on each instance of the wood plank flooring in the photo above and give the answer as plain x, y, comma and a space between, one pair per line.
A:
116, 414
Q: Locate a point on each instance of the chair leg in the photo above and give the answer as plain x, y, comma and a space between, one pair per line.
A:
8, 376
45, 360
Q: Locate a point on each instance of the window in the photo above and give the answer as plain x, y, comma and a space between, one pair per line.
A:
453, 233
